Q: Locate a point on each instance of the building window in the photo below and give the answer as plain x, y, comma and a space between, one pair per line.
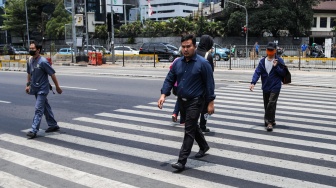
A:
323, 22
332, 22
314, 22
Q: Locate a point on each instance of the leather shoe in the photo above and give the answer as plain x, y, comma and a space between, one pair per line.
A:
52, 129
206, 130
178, 166
201, 153
31, 134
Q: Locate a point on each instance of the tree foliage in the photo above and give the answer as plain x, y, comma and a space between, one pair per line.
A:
292, 15
39, 12
55, 27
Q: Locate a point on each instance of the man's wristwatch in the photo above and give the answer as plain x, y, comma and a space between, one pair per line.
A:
28, 84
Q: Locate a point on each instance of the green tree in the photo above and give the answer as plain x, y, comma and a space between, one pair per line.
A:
15, 18
55, 27
101, 32
292, 15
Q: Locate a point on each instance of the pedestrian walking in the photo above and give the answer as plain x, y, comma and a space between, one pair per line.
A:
256, 49
271, 70
303, 49
203, 49
38, 69
195, 87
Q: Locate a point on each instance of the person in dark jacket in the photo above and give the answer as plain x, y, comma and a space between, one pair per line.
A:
195, 87
204, 46
271, 70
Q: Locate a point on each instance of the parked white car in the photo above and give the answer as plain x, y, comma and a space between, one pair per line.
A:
95, 48
118, 50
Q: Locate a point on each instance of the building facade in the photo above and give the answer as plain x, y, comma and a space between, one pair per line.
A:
323, 22
165, 9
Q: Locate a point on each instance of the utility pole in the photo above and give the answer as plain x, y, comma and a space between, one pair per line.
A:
112, 34
27, 23
86, 30
246, 35
74, 37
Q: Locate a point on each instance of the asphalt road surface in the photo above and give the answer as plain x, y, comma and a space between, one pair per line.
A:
113, 135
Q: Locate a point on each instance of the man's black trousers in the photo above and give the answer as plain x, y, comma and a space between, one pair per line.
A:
270, 102
191, 109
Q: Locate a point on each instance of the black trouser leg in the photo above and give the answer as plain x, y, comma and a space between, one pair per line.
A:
270, 102
202, 119
192, 110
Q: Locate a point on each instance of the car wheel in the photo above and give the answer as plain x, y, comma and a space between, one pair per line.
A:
226, 59
217, 57
171, 58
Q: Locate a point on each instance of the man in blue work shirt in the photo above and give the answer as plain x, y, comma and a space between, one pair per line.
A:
303, 49
38, 69
195, 87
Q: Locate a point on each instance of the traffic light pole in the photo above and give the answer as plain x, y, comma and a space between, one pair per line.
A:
246, 35
112, 34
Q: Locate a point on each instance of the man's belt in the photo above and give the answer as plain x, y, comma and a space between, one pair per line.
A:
189, 99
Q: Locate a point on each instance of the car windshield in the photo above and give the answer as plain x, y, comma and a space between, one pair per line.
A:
217, 46
20, 48
134, 49
172, 47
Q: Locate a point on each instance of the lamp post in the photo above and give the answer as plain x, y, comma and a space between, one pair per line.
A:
246, 35
27, 24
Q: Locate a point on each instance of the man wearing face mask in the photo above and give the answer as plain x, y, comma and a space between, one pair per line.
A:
271, 70
38, 69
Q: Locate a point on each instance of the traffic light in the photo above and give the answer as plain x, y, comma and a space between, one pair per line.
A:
222, 3
243, 31
116, 21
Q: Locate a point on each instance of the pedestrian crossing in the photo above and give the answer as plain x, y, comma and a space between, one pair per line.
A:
134, 147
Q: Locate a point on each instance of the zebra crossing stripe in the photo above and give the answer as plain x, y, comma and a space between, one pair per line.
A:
302, 92
280, 102
259, 119
257, 136
281, 98
259, 108
281, 163
11, 181
124, 166
60, 171
231, 124
249, 145
225, 103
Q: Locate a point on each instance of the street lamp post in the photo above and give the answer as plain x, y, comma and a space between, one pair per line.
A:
246, 35
27, 23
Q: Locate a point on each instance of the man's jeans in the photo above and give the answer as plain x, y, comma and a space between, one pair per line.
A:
42, 107
270, 102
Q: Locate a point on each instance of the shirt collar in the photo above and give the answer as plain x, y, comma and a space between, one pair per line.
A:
193, 58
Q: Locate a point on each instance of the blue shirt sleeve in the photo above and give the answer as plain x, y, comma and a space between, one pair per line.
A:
208, 79
169, 81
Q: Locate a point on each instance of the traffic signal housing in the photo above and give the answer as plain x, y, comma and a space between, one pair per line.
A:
116, 21
222, 3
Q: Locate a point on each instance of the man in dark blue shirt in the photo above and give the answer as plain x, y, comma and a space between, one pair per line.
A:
195, 87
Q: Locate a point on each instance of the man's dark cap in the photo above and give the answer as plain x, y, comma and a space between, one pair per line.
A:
271, 46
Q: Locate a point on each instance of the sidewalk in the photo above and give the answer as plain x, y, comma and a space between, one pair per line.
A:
314, 78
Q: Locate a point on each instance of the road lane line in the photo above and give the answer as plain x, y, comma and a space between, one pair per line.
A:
7, 102
79, 88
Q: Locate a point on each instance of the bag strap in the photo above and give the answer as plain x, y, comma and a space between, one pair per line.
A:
206, 54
